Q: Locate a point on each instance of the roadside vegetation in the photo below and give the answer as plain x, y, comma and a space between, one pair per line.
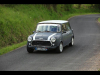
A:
99, 20
17, 21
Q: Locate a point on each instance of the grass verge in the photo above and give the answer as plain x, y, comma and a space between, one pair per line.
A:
99, 23
99, 20
12, 47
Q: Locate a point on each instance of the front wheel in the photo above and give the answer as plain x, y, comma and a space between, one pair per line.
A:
29, 50
60, 48
72, 42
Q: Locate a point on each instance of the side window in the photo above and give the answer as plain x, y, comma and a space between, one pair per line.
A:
59, 28
64, 27
68, 26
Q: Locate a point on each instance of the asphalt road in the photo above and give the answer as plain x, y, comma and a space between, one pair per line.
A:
84, 55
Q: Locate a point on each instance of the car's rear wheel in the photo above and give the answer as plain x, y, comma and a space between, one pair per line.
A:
72, 42
29, 50
60, 48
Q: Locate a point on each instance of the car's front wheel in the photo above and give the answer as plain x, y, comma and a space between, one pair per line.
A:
60, 48
72, 42
29, 50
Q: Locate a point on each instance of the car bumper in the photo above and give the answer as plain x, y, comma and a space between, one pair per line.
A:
47, 47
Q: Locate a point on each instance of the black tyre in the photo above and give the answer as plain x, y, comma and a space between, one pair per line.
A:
60, 48
72, 42
29, 50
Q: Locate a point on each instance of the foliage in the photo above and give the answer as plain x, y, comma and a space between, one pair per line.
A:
99, 19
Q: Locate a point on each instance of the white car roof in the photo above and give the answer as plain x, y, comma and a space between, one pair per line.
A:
54, 21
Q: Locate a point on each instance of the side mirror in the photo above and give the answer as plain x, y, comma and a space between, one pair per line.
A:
64, 31
33, 31
72, 30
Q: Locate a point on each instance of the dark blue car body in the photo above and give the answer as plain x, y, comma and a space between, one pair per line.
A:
44, 41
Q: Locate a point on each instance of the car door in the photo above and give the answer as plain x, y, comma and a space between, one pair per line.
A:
64, 34
69, 32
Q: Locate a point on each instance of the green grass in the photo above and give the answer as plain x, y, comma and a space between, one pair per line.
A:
12, 47
18, 21
99, 20
99, 70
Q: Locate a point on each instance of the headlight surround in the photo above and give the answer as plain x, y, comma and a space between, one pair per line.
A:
29, 38
53, 39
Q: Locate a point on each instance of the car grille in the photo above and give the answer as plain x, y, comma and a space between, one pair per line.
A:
41, 43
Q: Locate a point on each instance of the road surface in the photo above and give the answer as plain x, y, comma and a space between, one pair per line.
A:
83, 56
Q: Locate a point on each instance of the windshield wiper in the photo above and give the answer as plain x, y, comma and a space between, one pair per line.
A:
38, 31
47, 31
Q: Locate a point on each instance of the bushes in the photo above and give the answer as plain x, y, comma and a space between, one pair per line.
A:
18, 21
12, 26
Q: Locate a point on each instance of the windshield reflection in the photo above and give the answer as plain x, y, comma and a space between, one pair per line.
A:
48, 28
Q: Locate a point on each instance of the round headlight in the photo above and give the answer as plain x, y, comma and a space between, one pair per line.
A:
29, 38
53, 39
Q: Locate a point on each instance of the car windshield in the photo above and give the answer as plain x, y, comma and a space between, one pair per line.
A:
48, 28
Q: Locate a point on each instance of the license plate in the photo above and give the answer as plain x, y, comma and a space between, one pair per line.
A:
42, 49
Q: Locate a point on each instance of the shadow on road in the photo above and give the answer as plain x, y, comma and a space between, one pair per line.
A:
66, 49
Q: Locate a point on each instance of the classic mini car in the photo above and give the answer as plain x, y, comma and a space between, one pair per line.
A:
51, 35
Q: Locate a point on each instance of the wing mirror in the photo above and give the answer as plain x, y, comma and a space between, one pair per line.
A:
64, 31
72, 30
33, 31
